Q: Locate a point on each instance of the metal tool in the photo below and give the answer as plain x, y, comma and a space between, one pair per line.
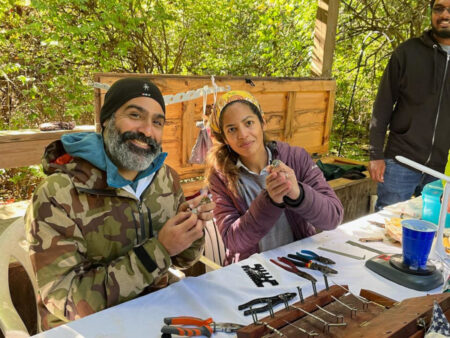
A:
342, 253
292, 268
275, 300
352, 309
275, 163
362, 299
310, 334
370, 239
302, 262
378, 224
315, 257
362, 246
203, 327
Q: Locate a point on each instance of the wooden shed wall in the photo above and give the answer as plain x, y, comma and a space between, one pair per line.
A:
297, 110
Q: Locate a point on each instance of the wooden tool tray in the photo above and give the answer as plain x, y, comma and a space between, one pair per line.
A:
381, 317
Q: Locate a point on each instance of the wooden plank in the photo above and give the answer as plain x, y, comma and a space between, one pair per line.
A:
291, 103
272, 102
325, 37
25, 135
308, 138
188, 131
172, 131
98, 102
172, 84
329, 118
24, 148
377, 298
21, 154
274, 121
401, 320
311, 100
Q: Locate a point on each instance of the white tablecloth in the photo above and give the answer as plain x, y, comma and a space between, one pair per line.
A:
217, 294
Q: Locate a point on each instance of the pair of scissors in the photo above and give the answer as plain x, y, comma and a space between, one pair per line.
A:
292, 268
196, 326
310, 264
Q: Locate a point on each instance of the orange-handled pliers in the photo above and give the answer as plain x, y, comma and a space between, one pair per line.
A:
200, 327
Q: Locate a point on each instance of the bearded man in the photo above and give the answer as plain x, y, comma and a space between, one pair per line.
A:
110, 219
413, 101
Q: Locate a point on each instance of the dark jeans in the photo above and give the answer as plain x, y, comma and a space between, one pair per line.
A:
400, 183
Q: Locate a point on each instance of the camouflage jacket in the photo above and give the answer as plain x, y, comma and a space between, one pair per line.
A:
89, 243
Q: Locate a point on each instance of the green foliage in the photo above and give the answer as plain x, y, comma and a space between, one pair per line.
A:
368, 32
19, 183
50, 50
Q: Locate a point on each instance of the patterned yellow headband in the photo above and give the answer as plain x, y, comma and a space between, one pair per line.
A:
226, 99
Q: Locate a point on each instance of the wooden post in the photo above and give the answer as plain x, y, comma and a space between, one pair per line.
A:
325, 37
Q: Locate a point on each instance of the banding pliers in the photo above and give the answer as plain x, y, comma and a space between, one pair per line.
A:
298, 261
292, 268
269, 301
197, 326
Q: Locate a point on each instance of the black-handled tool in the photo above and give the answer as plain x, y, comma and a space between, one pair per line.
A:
298, 261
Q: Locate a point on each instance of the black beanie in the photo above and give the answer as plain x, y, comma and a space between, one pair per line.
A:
126, 89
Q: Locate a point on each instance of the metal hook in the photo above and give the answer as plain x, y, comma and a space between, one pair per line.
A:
254, 316
352, 309
326, 282
339, 318
300, 294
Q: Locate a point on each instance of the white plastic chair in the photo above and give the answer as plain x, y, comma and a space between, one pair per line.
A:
13, 244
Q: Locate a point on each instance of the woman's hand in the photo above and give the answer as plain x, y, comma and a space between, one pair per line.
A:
281, 182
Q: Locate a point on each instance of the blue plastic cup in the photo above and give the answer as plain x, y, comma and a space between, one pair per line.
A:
417, 238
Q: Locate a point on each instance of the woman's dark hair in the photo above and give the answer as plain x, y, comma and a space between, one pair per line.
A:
432, 3
221, 157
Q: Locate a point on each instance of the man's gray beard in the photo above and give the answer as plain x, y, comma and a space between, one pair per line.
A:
124, 154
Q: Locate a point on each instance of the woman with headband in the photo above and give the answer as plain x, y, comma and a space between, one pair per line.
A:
267, 193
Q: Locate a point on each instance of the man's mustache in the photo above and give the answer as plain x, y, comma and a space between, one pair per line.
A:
130, 135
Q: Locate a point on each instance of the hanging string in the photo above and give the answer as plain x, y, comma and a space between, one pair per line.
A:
205, 97
213, 81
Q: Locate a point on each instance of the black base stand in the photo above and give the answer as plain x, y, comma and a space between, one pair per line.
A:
391, 267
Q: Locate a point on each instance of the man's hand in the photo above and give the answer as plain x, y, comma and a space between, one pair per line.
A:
202, 205
281, 182
180, 232
376, 170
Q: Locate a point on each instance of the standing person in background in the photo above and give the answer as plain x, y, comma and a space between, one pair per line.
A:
110, 219
413, 101
267, 193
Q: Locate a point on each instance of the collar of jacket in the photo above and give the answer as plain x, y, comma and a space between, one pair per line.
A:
429, 40
86, 177
90, 147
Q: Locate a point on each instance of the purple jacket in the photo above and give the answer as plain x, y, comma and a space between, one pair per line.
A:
243, 228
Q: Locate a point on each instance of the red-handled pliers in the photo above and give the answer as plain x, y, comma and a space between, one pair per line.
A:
200, 327
292, 268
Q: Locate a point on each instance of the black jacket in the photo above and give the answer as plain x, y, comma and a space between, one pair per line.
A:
414, 101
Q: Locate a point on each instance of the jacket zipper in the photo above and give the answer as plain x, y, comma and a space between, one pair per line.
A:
141, 220
438, 109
